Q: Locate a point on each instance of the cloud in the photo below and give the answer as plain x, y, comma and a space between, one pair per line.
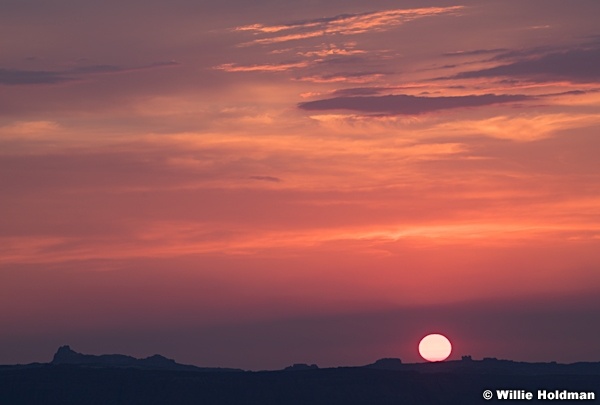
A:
576, 65
347, 77
476, 52
16, 77
332, 50
30, 130
96, 69
344, 24
267, 67
360, 91
407, 104
266, 178
520, 127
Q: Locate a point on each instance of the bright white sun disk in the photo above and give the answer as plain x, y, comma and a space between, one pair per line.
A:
435, 347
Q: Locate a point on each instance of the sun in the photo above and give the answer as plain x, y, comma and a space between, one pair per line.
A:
435, 347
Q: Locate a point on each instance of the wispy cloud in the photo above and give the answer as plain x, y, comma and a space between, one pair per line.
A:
344, 24
266, 178
343, 77
30, 130
267, 67
332, 50
521, 128
407, 104
15, 77
360, 91
476, 52
577, 65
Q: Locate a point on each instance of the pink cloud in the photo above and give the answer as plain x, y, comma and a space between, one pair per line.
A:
345, 24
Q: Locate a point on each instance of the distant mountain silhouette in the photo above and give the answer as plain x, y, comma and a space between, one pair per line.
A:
386, 364
301, 366
66, 355
489, 365
75, 378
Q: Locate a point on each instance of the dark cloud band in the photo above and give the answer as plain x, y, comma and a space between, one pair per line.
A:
16, 77
406, 104
577, 65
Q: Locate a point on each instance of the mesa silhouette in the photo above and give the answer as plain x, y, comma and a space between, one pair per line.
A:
66, 355
75, 378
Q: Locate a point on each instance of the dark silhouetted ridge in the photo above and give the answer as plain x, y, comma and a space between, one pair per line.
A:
301, 366
386, 364
66, 355
75, 378
488, 365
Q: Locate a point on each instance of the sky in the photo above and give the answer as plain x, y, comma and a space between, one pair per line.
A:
257, 184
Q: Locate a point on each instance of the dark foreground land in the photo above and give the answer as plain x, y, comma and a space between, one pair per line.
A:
71, 384
73, 378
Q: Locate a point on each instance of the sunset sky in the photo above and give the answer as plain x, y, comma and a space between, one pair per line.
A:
259, 183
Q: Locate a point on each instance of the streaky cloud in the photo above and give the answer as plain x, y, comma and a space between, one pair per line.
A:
347, 77
360, 91
97, 69
266, 67
576, 65
408, 104
16, 77
343, 24
266, 178
476, 52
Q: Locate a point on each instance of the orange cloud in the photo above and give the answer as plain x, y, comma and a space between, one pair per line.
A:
281, 67
521, 127
346, 24
332, 50
359, 77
